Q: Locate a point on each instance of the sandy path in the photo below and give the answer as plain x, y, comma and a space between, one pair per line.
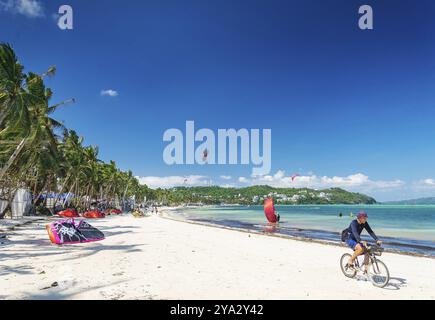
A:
156, 258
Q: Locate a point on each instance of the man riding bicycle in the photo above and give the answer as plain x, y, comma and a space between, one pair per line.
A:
352, 237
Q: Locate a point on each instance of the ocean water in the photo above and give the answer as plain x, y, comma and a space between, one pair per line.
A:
404, 228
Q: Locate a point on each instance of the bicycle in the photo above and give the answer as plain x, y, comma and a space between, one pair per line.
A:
377, 271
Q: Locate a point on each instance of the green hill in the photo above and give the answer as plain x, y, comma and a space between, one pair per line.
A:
256, 195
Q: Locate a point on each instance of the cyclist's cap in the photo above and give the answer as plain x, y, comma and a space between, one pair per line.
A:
362, 214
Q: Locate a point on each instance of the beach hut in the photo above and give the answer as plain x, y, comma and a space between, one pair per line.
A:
20, 206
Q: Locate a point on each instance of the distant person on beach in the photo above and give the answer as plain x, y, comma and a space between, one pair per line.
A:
352, 237
340, 215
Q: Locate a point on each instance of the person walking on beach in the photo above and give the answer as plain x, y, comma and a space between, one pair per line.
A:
352, 237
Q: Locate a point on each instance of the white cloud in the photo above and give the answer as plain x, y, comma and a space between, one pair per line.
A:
381, 190
428, 182
228, 185
174, 181
355, 182
243, 180
109, 92
28, 8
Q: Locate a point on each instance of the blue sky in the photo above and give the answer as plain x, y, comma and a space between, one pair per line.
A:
347, 108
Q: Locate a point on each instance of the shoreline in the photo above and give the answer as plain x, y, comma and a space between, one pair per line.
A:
172, 213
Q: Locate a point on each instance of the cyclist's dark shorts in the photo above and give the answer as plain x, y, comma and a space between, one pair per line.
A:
351, 243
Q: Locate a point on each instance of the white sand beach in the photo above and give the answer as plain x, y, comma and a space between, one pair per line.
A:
158, 258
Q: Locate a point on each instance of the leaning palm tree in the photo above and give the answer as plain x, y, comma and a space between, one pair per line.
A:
13, 97
24, 109
35, 156
14, 101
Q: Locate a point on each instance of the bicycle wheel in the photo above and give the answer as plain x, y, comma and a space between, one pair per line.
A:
378, 273
350, 273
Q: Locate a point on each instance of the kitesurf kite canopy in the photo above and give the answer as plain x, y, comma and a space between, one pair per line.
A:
94, 215
205, 155
69, 231
109, 212
69, 213
269, 211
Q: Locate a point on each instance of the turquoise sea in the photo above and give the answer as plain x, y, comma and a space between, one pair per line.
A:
405, 228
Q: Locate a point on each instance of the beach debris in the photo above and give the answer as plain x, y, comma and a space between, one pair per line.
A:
69, 231
42, 272
53, 285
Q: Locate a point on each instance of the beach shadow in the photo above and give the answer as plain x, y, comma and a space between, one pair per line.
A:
84, 251
21, 270
113, 231
44, 248
396, 283
59, 293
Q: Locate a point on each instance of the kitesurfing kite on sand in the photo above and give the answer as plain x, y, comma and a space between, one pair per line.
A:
69, 231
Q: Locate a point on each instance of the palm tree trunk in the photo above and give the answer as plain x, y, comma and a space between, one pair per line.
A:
2, 116
69, 192
40, 193
12, 158
63, 187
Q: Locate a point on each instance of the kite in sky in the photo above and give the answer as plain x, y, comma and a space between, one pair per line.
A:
205, 155
295, 176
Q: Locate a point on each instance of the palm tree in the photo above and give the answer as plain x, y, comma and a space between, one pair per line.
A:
43, 156
24, 110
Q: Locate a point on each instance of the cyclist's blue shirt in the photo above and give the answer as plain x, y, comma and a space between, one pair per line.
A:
355, 229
